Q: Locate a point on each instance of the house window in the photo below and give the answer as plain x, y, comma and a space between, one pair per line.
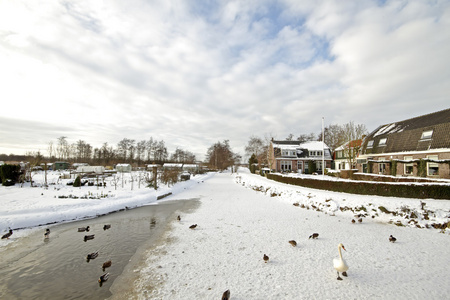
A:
382, 142
408, 167
300, 166
370, 144
286, 165
432, 167
426, 135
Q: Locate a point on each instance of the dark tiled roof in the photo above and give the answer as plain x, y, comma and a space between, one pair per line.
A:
406, 135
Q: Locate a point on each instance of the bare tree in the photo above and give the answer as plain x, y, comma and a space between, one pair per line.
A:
257, 146
220, 156
61, 149
140, 151
50, 149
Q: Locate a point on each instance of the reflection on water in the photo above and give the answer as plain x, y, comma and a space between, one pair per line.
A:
57, 268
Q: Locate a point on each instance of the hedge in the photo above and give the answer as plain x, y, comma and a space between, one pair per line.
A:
367, 188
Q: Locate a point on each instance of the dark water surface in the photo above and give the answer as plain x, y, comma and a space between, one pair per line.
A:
34, 268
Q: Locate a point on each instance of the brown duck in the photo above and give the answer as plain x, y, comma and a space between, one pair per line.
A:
106, 264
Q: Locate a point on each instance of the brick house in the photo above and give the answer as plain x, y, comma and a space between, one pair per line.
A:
295, 156
415, 147
346, 154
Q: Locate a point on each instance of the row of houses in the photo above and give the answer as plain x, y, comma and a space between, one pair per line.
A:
418, 146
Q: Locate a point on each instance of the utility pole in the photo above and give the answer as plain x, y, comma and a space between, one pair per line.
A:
323, 149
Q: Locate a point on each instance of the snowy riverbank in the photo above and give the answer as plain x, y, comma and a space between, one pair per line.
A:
27, 207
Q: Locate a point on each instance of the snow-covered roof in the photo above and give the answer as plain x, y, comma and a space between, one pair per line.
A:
311, 145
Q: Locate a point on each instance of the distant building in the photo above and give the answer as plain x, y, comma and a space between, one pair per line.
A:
294, 156
60, 165
345, 156
123, 168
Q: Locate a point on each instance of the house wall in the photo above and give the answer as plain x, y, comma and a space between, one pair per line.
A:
444, 168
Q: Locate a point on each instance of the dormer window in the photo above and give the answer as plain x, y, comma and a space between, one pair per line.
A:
370, 144
382, 142
426, 135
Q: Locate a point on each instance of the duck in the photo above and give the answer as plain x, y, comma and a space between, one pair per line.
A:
89, 237
92, 255
266, 258
314, 236
107, 226
339, 264
103, 278
179, 218
106, 264
226, 295
82, 229
293, 243
193, 226
392, 239
7, 235
47, 233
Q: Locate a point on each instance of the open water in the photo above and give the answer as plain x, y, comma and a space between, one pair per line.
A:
56, 268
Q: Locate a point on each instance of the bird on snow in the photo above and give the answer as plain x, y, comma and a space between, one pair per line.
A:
339, 264
107, 226
82, 229
392, 239
360, 220
314, 236
193, 226
179, 218
7, 235
89, 237
226, 295
293, 243
353, 221
266, 258
47, 233
106, 264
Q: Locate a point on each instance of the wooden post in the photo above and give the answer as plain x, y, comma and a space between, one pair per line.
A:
155, 174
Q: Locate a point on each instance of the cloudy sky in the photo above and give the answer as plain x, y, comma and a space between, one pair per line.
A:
192, 73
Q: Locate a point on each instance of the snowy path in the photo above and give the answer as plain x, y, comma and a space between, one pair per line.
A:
237, 225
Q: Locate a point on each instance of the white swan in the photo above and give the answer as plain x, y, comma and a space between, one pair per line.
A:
339, 264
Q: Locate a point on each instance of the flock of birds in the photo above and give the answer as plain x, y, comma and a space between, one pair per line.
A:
339, 264
104, 277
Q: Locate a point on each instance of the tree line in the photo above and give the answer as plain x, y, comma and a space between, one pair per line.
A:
219, 156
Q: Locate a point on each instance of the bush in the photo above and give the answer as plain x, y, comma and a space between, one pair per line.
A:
169, 177
367, 188
77, 182
9, 174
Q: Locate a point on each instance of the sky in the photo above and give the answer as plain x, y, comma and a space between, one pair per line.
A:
192, 73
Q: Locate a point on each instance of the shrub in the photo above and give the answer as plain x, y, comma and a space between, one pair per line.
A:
77, 182
368, 188
9, 174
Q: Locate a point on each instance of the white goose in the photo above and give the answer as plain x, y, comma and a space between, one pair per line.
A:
339, 264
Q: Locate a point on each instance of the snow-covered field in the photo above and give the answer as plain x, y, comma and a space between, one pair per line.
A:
244, 216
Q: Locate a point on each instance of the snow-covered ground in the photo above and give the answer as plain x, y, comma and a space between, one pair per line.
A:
244, 216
